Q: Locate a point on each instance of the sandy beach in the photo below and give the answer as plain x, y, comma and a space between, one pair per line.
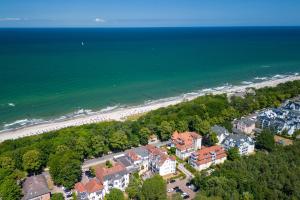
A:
122, 113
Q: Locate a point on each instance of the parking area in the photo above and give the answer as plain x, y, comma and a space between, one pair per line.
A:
182, 187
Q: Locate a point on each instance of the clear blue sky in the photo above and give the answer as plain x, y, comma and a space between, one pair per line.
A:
141, 13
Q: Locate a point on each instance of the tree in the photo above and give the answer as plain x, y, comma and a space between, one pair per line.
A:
176, 196
233, 153
108, 164
265, 140
9, 190
32, 161
182, 126
82, 147
118, 140
115, 194
154, 188
7, 163
165, 130
134, 187
57, 196
65, 169
144, 135
98, 145
212, 139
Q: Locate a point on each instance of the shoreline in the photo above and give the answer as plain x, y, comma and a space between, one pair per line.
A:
120, 114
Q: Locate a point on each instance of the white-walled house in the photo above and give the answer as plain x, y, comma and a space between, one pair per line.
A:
221, 132
244, 143
186, 143
160, 162
207, 156
92, 190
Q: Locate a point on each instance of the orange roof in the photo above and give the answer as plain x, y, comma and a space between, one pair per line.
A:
184, 141
90, 187
131, 154
102, 171
79, 187
204, 155
159, 153
93, 186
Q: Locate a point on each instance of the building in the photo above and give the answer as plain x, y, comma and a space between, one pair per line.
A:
221, 132
92, 190
115, 177
160, 162
245, 125
244, 143
140, 158
36, 188
186, 143
207, 156
292, 105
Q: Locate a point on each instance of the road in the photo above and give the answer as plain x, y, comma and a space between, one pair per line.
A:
92, 162
188, 174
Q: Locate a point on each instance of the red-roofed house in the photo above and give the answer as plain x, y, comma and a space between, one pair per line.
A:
115, 177
186, 143
160, 162
93, 190
207, 156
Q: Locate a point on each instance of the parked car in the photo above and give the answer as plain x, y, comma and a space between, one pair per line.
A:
172, 181
186, 197
170, 190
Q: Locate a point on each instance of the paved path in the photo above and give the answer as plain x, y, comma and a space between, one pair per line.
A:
92, 162
182, 185
188, 174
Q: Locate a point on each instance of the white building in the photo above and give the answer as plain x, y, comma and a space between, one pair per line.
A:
160, 162
244, 143
207, 156
186, 143
221, 132
92, 190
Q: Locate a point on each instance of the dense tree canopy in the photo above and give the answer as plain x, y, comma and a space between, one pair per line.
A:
154, 188
115, 194
265, 140
32, 161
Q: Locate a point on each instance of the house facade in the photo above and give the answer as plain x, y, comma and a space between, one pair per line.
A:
160, 162
244, 143
92, 190
207, 156
115, 177
186, 143
221, 132
245, 125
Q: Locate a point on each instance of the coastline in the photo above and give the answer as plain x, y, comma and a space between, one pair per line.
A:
122, 113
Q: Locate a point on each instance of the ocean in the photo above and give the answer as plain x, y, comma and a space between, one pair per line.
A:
48, 74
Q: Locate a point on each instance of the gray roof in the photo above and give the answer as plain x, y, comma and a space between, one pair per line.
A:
219, 130
246, 121
238, 139
124, 160
35, 186
116, 176
141, 151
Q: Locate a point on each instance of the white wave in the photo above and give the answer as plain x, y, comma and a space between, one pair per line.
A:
246, 82
11, 104
296, 74
109, 108
261, 78
22, 122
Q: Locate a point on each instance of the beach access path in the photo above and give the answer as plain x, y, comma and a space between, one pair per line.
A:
123, 113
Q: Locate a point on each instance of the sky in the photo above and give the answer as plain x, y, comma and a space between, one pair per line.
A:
148, 13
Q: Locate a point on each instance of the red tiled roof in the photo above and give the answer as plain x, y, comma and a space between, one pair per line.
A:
101, 172
79, 187
184, 141
131, 154
204, 155
159, 153
93, 186
90, 187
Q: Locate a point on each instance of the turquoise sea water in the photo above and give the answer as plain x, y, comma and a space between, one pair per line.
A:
48, 73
